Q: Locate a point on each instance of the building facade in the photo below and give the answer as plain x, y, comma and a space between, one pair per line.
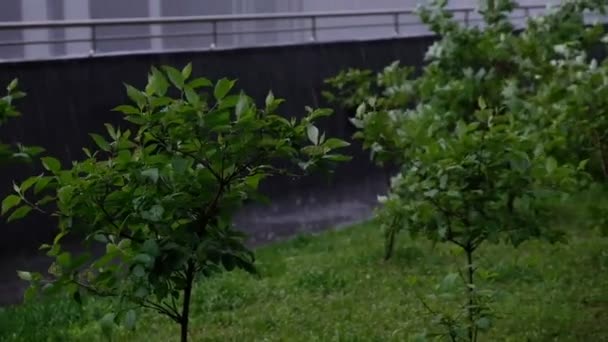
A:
49, 43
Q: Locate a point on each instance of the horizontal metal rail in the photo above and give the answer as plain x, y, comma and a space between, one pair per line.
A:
187, 34
219, 18
312, 24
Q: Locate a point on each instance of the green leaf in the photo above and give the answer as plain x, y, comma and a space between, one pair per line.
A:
321, 112
222, 87
33, 150
175, 76
254, 181
187, 71
241, 105
337, 157
449, 281
101, 142
124, 243
64, 259
334, 143
19, 213
150, 246
157, 83
51, 164
313, 134
179, 165
154, 214
200, 83
111, 131
550, 165
27, 276
483, 323
126, 109
481, 103
144, 259
130, 319
139, 271
361, 109
141, 292
17, 95
136, 96
13, 85
443, 181
107, 323
30, 294
582, 164
314, 151
192, 96
28, 183
431, 193
218, 118
229, 101
151, 174
10, 202
45, 200
269, 100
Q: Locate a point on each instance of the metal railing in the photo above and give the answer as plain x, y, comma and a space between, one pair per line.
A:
313, 27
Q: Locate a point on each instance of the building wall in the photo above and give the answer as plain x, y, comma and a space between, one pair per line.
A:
10, 11
121, 9
197, 36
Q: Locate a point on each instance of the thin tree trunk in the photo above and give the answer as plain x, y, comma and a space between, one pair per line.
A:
471, 308
389, 242
603, 157
186, 305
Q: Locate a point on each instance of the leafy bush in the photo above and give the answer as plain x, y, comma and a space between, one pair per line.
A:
161, 197
499, 124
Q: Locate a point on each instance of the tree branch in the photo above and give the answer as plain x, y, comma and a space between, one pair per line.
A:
32, 205
197, 159
165, 310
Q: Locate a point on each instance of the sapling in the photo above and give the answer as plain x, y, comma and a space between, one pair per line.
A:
479, 159
160, 196
484, 181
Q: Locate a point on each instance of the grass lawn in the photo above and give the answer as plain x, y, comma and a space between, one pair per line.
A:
335, 287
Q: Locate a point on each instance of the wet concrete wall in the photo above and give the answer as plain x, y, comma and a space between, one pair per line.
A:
67, 99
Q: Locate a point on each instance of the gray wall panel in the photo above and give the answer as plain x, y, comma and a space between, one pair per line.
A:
121, 9
10, 10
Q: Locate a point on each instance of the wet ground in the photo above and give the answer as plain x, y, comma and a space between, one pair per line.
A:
309, 211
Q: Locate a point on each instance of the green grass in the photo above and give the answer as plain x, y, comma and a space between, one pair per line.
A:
335, 287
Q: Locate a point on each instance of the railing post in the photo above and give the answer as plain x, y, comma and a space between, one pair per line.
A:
214, 34
93, 40
526, 12
396, 21
466, 18
313, 28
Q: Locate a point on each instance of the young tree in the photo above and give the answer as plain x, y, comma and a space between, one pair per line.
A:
161, 197
542, 75
485, 180
490, 131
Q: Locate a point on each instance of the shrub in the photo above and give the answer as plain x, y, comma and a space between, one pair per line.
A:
161, 197
499, 123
